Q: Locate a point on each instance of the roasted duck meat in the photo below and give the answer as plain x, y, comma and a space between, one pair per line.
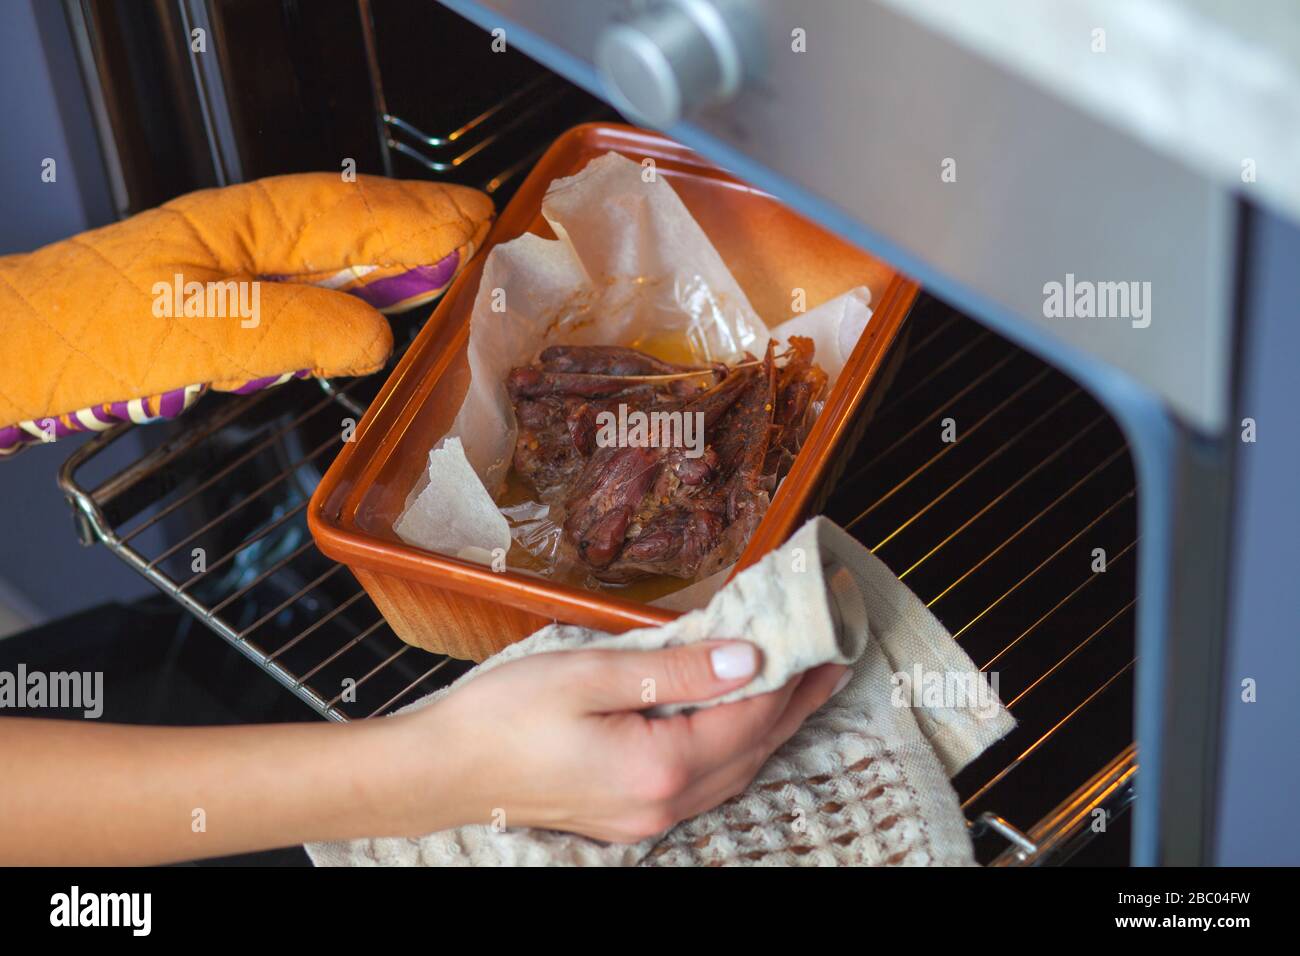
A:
596, 371
614, 486
679, 524
799, 385
558, 400
635, 509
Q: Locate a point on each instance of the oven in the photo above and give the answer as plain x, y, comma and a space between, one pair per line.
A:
1099, 534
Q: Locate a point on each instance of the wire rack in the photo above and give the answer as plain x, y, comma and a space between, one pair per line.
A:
232, 491
447, 154
999, 531
519, 111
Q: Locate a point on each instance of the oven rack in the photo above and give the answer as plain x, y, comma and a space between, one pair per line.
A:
997, 533
499, 141
247, 589
447, 155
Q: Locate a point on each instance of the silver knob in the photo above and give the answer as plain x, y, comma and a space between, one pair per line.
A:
676, 57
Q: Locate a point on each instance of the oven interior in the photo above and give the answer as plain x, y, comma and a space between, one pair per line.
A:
1000, 531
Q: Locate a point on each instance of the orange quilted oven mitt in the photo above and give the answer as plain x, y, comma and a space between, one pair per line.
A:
233, 289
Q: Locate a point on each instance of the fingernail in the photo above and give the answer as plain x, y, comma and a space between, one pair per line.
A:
843, 682
733, 661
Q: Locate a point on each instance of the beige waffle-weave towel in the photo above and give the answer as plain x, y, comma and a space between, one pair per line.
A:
866, 779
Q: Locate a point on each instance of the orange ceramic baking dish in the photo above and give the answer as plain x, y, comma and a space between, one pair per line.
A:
466, 610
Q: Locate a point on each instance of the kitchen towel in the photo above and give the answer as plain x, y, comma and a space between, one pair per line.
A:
865, 780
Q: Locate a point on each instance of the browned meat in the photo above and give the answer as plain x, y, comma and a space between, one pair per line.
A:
547, 453
679, 523
799, 384
598, 371
613, 489
607, 359
751, 418
557, 434
633, 511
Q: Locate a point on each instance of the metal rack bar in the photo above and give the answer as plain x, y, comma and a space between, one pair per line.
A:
1109, 792
409, 688
1011, 704
1052, 610
256, 537
313, 628
516, 120
167, 453
291, 599
1003, 496
89, 505
272, 569
937, 370
246, 500
355, 642
1046, 561
371, 673
912, 433
991, 457
1097, 469
436, 141
230, 466
1055, 728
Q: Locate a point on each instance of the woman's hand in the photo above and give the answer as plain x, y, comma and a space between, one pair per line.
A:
558, 741
554, 740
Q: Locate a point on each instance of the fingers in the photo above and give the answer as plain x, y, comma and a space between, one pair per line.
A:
732, 745
671, 768
752, 729
714, 737
635, 680
816, 688
297, 327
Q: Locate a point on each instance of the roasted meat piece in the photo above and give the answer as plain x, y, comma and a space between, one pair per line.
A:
678, 524
557, 403
635, 509
799, 385
613, 488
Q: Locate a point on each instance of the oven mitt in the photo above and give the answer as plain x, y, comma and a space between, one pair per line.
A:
233, 289
865, 780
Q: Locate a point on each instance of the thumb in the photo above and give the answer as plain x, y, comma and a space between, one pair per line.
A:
290, 328
635, 680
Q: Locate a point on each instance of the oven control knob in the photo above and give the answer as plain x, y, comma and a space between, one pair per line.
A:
673, 58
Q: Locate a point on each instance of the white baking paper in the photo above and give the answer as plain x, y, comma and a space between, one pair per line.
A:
629, 263
453, 512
